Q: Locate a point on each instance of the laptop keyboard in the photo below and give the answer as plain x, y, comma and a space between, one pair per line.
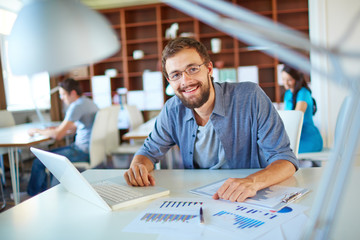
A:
115, 192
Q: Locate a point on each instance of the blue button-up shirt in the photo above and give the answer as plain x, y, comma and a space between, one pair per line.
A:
244, 119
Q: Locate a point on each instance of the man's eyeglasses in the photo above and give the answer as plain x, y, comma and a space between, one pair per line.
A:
191, 70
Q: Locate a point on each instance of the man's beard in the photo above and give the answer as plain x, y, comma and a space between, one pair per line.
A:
192, 104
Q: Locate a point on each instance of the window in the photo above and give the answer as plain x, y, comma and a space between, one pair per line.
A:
22, 92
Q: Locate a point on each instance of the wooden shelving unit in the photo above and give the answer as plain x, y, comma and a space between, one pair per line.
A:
143, 28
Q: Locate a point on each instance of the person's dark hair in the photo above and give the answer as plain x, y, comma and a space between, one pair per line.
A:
178, 44
299, 83
70, 84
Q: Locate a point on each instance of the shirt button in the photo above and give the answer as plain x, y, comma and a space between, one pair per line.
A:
190, 152
193, 135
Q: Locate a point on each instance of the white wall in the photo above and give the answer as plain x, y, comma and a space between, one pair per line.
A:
331, 26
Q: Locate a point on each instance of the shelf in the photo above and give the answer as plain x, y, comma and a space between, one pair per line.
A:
290, 11
140, 24
144, 40
178, 20
146, 57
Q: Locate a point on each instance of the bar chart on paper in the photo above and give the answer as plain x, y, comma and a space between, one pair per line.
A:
160, 217
167, 216
170, 206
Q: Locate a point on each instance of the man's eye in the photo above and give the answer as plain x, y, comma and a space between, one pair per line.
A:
192, 70
174, 75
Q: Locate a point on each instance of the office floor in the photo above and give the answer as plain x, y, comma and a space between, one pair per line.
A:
117, 161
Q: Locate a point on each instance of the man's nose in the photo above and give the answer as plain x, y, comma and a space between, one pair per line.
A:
185, 76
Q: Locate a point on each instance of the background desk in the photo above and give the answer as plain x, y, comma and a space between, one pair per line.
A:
141, 132
14, 138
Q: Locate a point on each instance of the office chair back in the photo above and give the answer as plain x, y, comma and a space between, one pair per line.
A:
293, 121
6, 119
97, 140
324, 154
112, 137
135, 116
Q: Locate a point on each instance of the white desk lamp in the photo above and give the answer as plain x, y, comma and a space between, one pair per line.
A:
285, 43
57, 35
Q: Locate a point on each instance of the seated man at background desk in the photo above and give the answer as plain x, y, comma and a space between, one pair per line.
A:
79, 116
215, 125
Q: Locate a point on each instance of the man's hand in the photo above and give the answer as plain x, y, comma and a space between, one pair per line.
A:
236, 190
32, 132
239, 189
139, 172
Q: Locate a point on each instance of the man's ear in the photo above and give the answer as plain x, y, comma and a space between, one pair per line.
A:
73, 93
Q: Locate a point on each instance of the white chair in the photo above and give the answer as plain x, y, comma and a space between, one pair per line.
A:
293, 121
6, 120
112, 135
319, 157
3, 205
97, 141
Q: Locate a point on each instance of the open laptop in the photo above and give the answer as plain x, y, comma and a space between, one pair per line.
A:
110, 194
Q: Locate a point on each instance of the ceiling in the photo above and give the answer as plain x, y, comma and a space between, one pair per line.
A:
15, 5
102, 4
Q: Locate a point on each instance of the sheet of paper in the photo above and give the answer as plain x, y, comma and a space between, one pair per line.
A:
152, 81
101, 91
245, 221
279, 70
168, 216
271, 197
248, 74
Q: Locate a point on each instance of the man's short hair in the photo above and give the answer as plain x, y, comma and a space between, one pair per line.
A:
178, 44
70, 84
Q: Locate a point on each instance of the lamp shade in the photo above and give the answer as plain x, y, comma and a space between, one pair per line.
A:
57, 35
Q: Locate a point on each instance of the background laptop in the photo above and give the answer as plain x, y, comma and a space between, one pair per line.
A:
115, 193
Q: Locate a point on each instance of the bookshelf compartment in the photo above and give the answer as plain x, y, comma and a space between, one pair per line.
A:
135, 83
184, 27
226, 58
140, 65
254, 58
141, 15
294, 20
291, 4
270, 92
256, 5
141, 33
169, 13
99, 69
113, 17
266, 75
149, 48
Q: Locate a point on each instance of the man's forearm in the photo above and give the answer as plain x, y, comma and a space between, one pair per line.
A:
141, 159
276, 172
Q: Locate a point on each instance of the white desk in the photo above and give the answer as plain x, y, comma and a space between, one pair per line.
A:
57, 214
13, 138
141, 132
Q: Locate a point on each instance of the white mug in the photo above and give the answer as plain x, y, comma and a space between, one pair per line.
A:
138, 54
215, 45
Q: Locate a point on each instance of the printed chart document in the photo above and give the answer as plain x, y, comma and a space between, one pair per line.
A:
273, 198
221, 218
169, 215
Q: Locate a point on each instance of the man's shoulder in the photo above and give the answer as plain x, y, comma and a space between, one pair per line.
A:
238, 86
237, 90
